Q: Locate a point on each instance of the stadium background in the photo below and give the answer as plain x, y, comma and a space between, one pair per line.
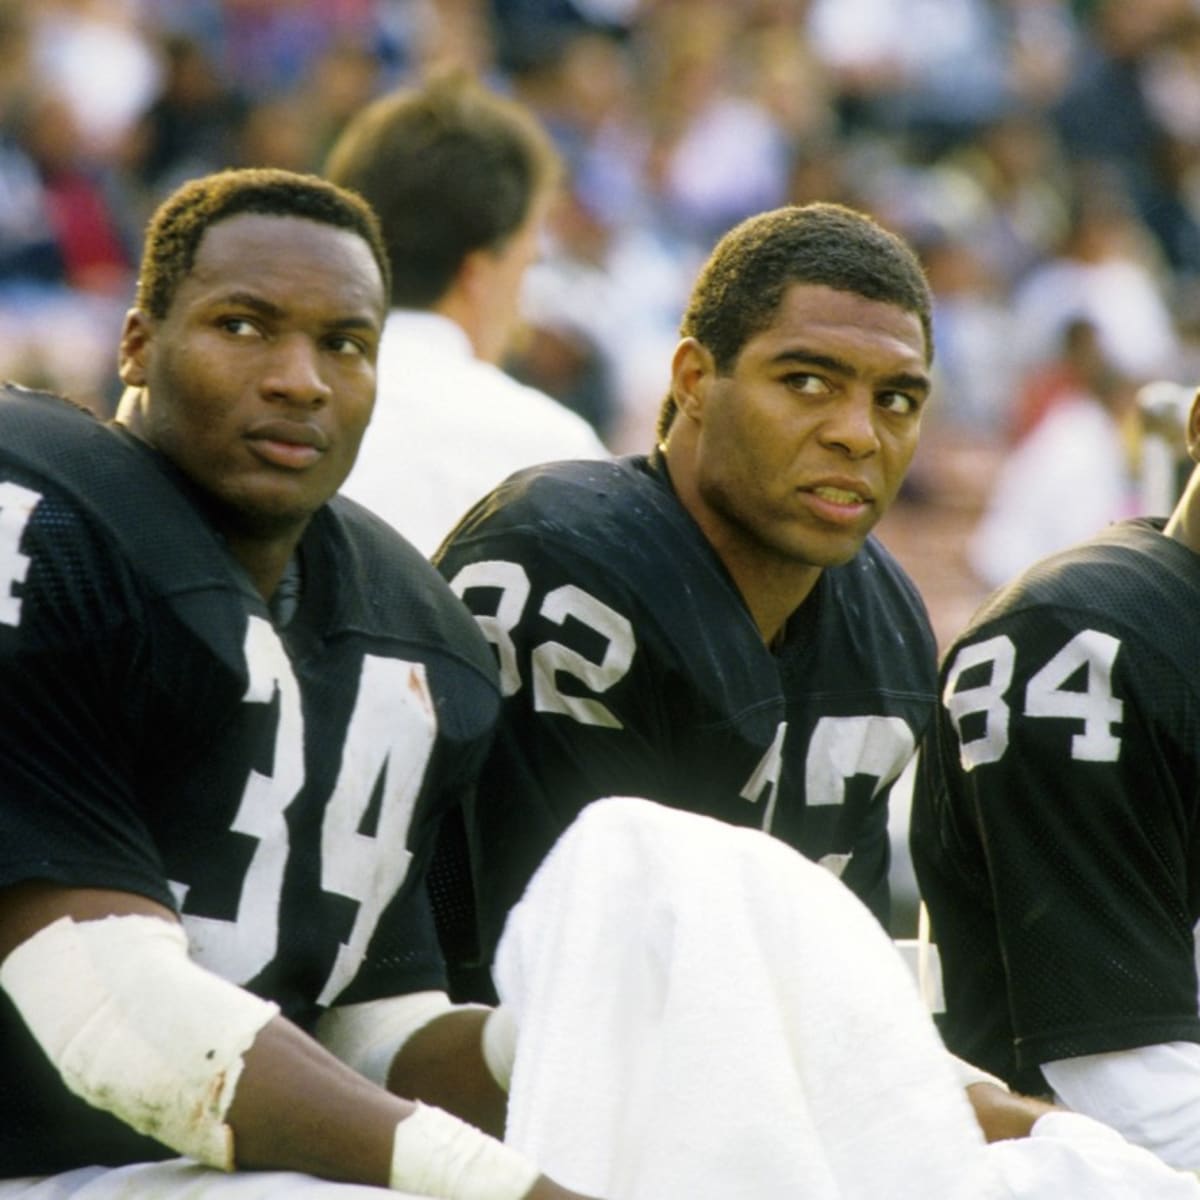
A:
1042, 155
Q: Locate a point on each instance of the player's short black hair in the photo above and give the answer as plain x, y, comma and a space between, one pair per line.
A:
180, 222
450, 168
743, 282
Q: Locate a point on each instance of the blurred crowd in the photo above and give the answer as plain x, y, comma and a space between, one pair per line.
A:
1042, 155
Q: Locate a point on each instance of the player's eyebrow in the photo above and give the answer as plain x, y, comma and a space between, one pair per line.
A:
908, 381
268, 308
251, 300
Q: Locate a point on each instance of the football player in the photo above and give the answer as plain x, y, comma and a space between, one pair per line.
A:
1056, 829
712, 626
232, 710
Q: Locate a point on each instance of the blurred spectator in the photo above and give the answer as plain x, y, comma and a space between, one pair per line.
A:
96, 56
81, 200
703, 113
621, 289
975, 374
1079, 369
189, 127
1067, 478
1107, 271
1104, 114
1045, 153
1008, 189
461, 179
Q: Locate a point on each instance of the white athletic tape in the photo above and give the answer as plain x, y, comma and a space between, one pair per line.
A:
368, 1036
436, 1154
136, 1028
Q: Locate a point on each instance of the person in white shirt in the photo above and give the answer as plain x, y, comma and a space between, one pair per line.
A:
462, 180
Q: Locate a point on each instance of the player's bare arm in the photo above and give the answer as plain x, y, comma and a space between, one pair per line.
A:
288, 1086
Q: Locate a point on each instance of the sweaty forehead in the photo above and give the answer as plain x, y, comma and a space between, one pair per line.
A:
815, 317
282, 252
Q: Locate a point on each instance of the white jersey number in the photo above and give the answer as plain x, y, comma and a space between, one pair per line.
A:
840, 748
1089, 655
384, 745
16, 507
551, 658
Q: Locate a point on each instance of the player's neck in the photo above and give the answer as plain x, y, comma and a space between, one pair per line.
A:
772, 587
1184, 523
264, 559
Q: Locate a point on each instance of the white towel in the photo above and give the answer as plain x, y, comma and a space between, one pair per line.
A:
704, 1014
1072, 1157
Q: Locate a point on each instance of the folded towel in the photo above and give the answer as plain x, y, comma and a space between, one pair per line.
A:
705, 1014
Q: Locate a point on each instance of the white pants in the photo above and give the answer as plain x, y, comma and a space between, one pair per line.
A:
181, 1179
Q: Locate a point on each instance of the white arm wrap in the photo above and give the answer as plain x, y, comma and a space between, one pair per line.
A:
368, 1036
436, 1154
135, 1027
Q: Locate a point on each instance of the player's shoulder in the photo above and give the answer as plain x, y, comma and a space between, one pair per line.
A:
387, 586
613, 528
875, 578
37, 427
1127, 577
1123, 601
882, 613
93, 485
586, 507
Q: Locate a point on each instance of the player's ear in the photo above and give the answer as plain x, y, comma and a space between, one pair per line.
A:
135, 342
692, 371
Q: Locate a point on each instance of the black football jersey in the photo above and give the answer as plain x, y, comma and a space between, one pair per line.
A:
160, 734
630, 665
1056, 821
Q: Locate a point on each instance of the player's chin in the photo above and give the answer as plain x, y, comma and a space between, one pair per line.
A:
824, 549
276, 502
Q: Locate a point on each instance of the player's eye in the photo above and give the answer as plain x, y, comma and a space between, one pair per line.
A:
807, 383
239, 326
901, 403
345, 344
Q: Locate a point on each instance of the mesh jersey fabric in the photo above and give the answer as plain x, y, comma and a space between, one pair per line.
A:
279, 787
631, 666
1056, 821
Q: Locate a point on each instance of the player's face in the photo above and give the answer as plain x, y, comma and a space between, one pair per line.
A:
259, 380
802, 448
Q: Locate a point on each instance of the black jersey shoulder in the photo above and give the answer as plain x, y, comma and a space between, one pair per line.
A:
617, 523
387, 588
622, 506
118, 484
1128, 577
616, 530
881, 622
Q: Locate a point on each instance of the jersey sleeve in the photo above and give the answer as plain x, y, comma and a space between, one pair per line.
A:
1052, 833
581, 712
72, 636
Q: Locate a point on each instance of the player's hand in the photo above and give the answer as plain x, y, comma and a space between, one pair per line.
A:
1002, 1114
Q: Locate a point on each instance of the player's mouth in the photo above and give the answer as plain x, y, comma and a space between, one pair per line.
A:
842, 502
292, 445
